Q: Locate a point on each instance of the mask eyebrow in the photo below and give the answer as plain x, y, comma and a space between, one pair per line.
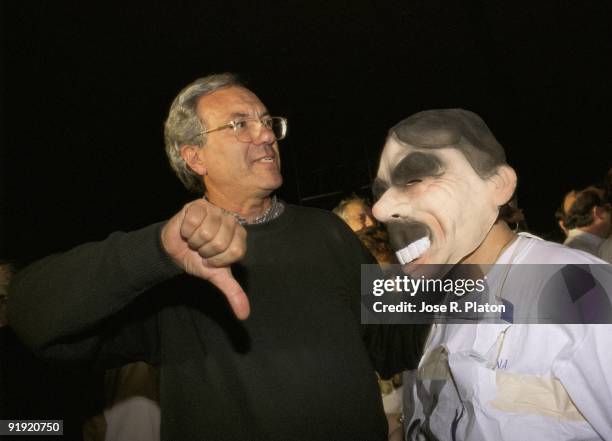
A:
378, 188
416, 165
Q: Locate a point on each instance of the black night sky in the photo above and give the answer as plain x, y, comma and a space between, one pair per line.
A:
86, 87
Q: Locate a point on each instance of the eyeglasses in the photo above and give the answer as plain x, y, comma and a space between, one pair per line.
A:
247, 129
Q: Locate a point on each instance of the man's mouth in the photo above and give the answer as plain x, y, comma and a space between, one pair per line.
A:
266, 159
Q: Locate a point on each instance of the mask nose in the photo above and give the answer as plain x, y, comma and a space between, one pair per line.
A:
384, 209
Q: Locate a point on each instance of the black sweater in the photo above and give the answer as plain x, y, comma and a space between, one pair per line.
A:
296, 369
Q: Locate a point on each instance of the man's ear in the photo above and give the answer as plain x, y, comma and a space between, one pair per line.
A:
563, 227
599, 212
504, 184
191, 155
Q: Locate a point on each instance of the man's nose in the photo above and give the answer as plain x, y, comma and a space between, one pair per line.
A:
263, 135
368, 221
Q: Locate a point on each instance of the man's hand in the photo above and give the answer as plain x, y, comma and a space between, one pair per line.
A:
204, 241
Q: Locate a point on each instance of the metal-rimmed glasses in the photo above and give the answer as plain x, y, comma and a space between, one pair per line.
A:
247, 129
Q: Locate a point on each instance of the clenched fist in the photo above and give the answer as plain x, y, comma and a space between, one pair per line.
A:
204, 240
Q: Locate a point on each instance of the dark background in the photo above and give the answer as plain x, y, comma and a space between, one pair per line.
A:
86, 87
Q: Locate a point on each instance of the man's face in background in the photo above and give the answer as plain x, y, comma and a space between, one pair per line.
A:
358, 216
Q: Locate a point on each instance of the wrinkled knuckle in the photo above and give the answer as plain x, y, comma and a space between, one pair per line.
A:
211, 261
237, 250
191, 219
205, 235
215, 211
213, 221
218, 245
216, 262
229, 220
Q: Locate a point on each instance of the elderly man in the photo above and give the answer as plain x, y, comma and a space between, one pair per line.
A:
297, 368
443, 186
355, 212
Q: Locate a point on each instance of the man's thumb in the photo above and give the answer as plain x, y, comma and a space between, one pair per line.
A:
237, 298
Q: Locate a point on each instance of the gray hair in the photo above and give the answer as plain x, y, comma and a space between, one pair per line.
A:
340, 209
183, 127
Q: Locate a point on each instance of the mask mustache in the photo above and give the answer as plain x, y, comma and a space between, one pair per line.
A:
402, 234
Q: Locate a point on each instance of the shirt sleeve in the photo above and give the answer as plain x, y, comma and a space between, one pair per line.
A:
84, 303
585, 374
605, 250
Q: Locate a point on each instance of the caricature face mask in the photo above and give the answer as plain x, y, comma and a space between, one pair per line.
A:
436, 186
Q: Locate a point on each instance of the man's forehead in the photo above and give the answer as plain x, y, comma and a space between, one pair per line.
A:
355, 206
229, 102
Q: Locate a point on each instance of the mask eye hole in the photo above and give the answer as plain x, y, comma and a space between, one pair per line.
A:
413, 182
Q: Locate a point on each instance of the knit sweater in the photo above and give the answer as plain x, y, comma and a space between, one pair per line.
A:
297, 369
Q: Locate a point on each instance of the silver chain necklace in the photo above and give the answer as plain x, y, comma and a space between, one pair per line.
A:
275, 209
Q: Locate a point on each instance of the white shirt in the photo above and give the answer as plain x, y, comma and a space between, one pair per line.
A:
583, 240
514, 381
605, 250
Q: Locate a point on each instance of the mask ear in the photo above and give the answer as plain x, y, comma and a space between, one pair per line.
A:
504, 183
191, 155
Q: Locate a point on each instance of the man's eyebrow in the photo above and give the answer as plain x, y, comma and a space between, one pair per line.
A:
247, 115
414, 166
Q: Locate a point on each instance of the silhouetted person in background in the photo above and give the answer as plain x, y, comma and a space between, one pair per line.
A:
587, 219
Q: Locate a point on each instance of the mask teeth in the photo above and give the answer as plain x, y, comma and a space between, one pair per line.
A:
413, 250
404, 256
